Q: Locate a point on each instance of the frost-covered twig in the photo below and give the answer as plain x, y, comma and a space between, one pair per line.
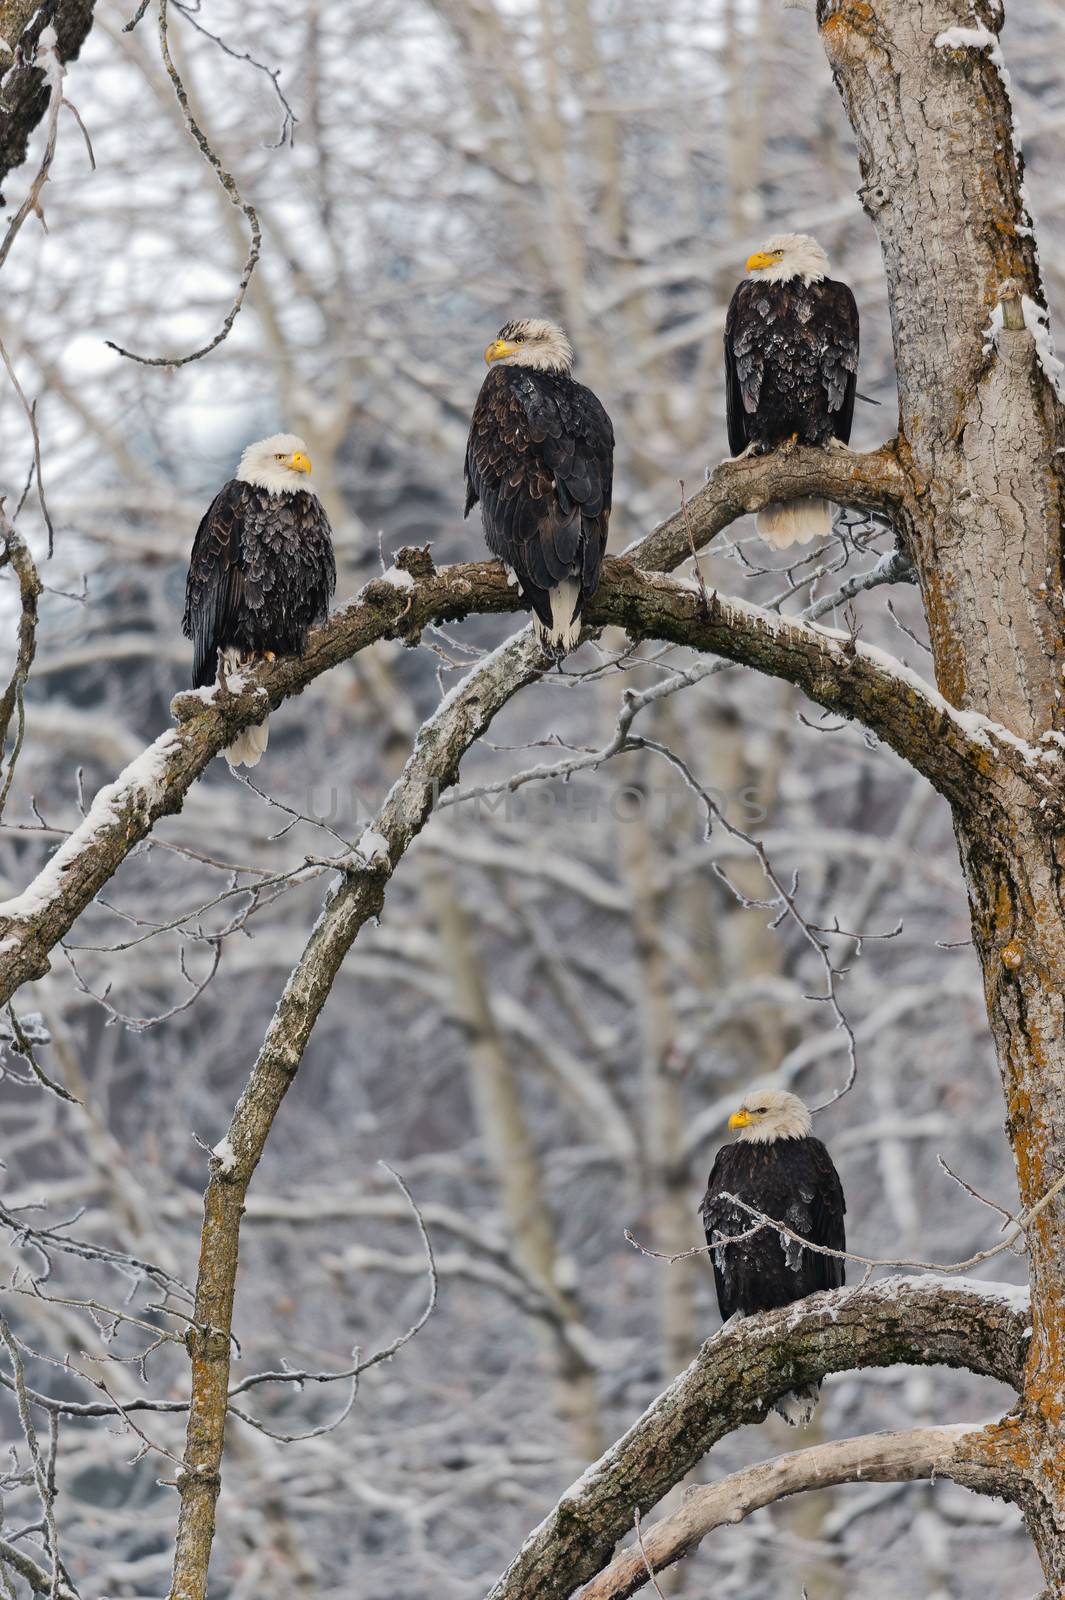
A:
23, 1046
870, 1263
43, 1478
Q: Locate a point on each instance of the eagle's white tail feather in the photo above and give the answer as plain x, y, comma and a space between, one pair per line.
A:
798, 1405
782, 523
247, 748
565, 629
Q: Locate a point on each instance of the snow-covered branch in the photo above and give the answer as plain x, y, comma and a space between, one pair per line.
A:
648, 605
734, 1380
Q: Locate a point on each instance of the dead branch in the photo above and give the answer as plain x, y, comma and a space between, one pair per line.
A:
875, 1458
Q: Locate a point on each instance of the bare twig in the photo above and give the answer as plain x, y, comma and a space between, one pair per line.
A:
656, 1586
761, 1221
31, 418
228, 184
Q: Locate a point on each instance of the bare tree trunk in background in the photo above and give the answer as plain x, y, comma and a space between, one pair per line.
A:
508, 1148
662, 1114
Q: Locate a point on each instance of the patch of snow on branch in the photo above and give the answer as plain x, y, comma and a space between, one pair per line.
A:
373, 846
225, 1156
398, 577
140, 785
1015, 1296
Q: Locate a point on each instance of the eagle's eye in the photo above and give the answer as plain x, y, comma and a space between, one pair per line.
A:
519, 338
279, 458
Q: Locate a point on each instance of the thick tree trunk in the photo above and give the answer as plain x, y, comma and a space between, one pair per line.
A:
980, 432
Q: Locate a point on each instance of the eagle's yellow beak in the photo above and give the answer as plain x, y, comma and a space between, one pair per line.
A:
299, 462
760, 259
740, 1119
498, 349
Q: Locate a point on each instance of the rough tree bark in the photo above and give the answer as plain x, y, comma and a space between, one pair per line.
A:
980, 431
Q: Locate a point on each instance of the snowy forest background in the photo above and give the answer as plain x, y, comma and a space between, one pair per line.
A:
564, 999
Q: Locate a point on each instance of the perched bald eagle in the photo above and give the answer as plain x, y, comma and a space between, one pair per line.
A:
778, 1168
791, 366
540, 459
262, 571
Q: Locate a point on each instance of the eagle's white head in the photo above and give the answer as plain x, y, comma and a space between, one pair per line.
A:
279, 464
531, 342
788, 255
769, 1114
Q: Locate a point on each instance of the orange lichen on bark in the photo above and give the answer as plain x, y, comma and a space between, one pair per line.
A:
848, 32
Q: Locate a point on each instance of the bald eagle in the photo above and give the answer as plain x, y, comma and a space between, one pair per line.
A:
791, 366
540, 459
261, 573
780, 1170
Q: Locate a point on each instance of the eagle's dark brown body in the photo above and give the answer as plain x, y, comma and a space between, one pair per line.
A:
793, 1181
260, 577
540, 461
791, 362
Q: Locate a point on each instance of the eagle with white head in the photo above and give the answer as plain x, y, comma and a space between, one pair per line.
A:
261, 574
791, 368
540, 459
776, 1169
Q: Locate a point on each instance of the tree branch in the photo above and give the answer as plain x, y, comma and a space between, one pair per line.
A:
734, 1380
875, 481
833, 668
959, 755
875, 1458
155, 784
357, 896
